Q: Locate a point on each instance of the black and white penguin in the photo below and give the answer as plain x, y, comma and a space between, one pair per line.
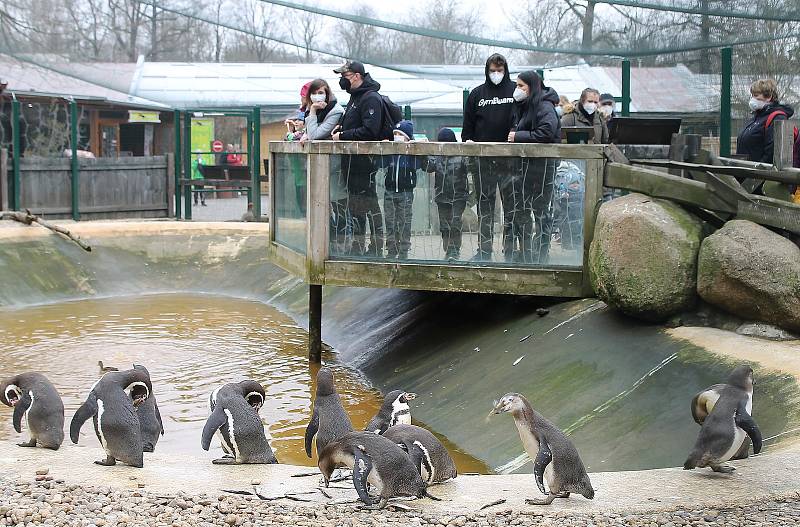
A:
726, 415
329, 420
234, 417
376, 460
427, 453
112, 404
34, 397
555, 458
394, 410
149, 418
703, 403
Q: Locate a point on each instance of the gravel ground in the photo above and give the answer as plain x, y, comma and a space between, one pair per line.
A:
59, 504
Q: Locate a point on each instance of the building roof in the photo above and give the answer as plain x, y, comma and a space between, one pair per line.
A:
34, 77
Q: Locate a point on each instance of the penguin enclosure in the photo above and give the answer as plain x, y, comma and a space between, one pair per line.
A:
199, 305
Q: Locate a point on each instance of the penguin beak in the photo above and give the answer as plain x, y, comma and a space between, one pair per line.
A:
499, 408
410, 396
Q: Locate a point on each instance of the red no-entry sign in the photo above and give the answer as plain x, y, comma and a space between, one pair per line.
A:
216, 146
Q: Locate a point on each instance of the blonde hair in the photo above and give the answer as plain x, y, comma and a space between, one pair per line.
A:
566, 104
765, 87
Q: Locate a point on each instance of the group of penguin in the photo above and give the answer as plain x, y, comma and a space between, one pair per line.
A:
390, 455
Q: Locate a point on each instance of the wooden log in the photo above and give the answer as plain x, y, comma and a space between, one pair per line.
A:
787, 175
677, 152
783, 144
28, 219
666, 186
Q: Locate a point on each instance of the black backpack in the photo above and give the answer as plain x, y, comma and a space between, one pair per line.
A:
392, 114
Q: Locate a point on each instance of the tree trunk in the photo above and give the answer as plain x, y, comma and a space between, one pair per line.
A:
705, 38
153, 37
588, 23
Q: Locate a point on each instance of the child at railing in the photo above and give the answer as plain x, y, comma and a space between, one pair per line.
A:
398, 196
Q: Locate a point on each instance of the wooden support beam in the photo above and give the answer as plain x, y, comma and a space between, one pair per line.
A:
315, 323
786, 175
666, 186
783, 144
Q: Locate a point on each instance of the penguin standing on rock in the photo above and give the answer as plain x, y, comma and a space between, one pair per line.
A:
376, 460
394, 410
112, 404
726, 415
329, 420
234, 416
428, 454
33, 396
555, 458
149, 418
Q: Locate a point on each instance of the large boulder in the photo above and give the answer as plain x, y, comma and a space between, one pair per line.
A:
643, 258
751, 272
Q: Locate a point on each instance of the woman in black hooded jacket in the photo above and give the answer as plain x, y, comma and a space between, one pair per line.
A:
534, 121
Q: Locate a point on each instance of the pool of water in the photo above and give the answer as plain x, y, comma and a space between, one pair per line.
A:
191, 344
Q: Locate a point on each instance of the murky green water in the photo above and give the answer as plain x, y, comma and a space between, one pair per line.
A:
191, 344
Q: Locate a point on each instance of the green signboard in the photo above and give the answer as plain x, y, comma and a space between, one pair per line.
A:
202, 137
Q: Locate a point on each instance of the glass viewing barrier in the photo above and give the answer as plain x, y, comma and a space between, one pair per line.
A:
290, 201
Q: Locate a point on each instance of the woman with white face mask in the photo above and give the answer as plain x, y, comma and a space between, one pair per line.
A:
587, 114
756, 139
322, 111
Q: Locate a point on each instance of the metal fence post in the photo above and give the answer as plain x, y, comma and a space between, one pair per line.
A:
15, 119
465, 96
255, 155
178, 166
725, 103
540, 72
187, 164
407, 113
73, 139
626, 88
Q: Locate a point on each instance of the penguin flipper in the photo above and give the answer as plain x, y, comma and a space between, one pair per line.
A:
311, 430
158, 418
88, 409
543, 458
703, 402
214, 422
362, 466
415, 453
19, 410
748, 424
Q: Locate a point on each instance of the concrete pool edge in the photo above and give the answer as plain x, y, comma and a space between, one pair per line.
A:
769, 476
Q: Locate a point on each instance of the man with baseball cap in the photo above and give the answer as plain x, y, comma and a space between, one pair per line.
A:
362, 121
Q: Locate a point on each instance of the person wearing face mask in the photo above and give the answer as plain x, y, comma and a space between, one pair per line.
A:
534, 121
586, 114
487, 118
756, 138
398, 194
362, 121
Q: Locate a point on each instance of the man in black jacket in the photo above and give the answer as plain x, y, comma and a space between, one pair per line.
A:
487, 118
362, 121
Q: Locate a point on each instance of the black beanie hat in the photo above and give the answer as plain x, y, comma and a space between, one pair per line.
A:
446, 135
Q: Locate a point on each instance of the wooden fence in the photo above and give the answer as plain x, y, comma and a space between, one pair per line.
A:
109, 188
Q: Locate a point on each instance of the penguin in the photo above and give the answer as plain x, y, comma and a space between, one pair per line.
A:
727, 424
701, 406
427, 453
234, 416
112, 404
376, 460
33, 396
555, 458
329, 420
394, 410
149, 418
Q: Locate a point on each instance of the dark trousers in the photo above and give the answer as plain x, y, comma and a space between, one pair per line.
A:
451, 228
494, 173
397, 208
363, 209
531, 215
340, 227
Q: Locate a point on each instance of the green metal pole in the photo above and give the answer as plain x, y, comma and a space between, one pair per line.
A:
725, 103
255, 155
540, 73
465, 96
73, 139
178, 166
626, 88
15, 119
187, 164
407, 112
249, 150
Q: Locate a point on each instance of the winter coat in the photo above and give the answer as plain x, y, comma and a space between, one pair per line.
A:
535, 119
579, 117
487, 114
320, 125
756, 139
401, 173
363, 115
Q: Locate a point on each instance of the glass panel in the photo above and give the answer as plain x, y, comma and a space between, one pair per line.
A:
456, 209
290, 201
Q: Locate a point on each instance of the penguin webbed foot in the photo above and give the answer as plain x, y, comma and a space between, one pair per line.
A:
376, 505
562, 495
148, 448
225, 460
547, 500
107, 462
723, 469
31, 443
